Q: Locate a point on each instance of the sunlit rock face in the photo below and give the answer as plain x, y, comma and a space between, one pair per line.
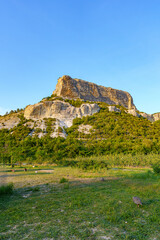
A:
156, 116
148, 116
9, 122
133, 112
151, 117
60, 110
68, 87
113, 109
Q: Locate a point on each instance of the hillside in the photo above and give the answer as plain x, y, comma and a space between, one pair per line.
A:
99, 134
58, 127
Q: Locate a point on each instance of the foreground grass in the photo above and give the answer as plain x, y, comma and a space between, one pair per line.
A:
82, 208
6, 189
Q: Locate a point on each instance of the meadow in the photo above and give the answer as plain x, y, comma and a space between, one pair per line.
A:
63, 202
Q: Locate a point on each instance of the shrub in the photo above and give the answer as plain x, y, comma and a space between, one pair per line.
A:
36, 189
66, 163
38, 130
75, 103
85, 164
156, 168
92, 164
6, 189
60, 130
63, 180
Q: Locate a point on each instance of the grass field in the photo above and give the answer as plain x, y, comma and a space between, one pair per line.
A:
81, 207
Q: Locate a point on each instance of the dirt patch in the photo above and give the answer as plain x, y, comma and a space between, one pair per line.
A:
46, 171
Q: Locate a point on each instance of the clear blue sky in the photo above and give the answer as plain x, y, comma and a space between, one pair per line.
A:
114, 43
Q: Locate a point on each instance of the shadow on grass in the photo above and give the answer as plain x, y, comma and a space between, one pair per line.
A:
24, 174
28, 169
145, 175
150, 201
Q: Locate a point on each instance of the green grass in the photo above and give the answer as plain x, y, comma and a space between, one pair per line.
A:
82, 208
6, 189
118, 160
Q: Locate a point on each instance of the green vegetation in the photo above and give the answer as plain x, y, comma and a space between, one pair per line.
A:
63, 180
156, 167
6, 189
84, 163
116, 160
87, 191
111, 133
75, 103
14, 111
36, 189
83, 208
50, 123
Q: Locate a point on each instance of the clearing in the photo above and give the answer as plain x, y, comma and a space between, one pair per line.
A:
88, 205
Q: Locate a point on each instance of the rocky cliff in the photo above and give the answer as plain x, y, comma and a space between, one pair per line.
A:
151, 117
60, 110
9, 122
70, 88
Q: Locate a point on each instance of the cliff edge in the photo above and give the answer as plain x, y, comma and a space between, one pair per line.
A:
70, 88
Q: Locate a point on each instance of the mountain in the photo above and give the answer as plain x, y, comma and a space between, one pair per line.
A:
72, 98
74, 122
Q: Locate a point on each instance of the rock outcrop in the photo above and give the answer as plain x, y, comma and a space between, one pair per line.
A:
133, 112
130, 111
113, 109
156, 116
151, 117
9, 122
148, 116
60, 110
70, 88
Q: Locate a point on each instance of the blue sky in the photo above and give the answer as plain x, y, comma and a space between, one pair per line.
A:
114, 43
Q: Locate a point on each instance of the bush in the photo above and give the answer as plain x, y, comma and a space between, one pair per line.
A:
63, 180
75, 103
67, 163
156, 168
36, 189
86, 164
92, 164
6, 189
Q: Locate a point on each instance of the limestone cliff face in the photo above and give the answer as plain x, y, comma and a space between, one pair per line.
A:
68, 87
9, 122
150, 117
156, 116
60, 110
